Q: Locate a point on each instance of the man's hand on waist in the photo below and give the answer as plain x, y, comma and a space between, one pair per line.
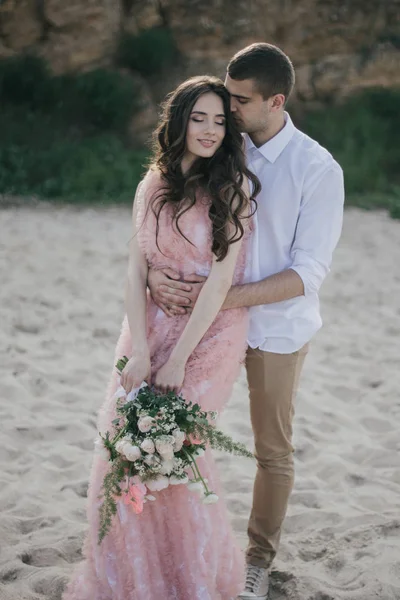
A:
173, 295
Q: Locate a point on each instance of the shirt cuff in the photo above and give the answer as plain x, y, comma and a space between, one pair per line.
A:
312, 277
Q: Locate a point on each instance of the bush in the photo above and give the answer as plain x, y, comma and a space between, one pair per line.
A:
39, 157
361, 134
99, 99
148, 52
99, 169
64, 137
24, 80
103, 99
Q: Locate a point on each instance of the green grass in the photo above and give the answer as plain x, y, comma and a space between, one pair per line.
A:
41, 157
65, 137
362, 135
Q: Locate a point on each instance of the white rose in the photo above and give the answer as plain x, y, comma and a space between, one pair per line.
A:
195, 486
119, 446
173, 480
151, 460
131, 452
167, 466
101, 450
165, 446
178, 433
179, 437
148, 446
145, 424
210, 499
156, 485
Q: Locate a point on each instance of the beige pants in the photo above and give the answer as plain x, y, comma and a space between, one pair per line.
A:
273, 381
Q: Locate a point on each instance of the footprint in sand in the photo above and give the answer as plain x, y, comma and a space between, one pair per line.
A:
313, 554
27, 526
9, 574
355, 479
43, 557
79, 487
376, 425
50, 584
282, 585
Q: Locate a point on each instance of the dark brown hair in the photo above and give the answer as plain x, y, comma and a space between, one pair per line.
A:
268, 65
220, 176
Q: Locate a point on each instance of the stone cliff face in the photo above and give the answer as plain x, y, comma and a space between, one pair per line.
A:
337, 46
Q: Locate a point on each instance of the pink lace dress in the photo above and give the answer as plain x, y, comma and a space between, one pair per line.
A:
178, 548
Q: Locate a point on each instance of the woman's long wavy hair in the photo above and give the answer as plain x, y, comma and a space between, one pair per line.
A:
220, 176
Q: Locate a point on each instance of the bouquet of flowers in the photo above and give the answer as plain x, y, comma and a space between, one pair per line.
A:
155, 442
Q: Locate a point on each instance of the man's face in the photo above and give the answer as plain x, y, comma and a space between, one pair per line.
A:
251, 112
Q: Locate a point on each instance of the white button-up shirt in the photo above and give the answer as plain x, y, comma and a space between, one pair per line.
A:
297, 226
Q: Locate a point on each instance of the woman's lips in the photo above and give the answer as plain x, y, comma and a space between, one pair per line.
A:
206, 143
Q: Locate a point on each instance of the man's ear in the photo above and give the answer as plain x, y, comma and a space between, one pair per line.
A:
278, 102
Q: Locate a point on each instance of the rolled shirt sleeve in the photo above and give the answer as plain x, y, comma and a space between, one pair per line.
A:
318, 228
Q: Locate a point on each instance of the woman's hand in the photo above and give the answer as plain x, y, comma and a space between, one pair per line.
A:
136, 370
170, 377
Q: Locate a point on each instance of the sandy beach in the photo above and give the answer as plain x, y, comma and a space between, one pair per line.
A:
62, 275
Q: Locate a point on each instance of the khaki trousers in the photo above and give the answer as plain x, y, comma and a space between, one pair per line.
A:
273, 381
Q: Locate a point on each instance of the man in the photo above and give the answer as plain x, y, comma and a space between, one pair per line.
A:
297, 226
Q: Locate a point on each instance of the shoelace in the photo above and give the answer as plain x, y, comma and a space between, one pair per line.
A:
253, 578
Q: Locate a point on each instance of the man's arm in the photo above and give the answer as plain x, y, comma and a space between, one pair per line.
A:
282, 286
317, 234
182, 297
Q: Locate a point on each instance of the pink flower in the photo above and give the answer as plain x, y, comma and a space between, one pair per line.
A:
195, 441
134, 495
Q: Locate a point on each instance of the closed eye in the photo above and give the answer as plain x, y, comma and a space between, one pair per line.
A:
197, 120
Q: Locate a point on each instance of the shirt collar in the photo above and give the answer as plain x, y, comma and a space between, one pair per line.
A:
275, 146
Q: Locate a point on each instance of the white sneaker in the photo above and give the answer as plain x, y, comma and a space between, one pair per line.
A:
257, 584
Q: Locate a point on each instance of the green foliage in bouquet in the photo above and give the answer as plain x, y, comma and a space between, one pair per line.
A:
111, 490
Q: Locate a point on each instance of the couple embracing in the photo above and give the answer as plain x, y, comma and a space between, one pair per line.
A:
234, 226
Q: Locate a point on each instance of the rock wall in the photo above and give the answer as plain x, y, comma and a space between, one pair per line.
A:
337, 46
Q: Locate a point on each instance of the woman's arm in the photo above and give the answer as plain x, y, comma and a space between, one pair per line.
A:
137, 369
208, 305
136, 283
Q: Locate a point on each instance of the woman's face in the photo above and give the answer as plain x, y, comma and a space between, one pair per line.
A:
206, 127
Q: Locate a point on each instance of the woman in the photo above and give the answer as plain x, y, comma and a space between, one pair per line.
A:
192, 213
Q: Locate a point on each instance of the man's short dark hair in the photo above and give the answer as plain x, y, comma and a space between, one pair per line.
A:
268, 65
